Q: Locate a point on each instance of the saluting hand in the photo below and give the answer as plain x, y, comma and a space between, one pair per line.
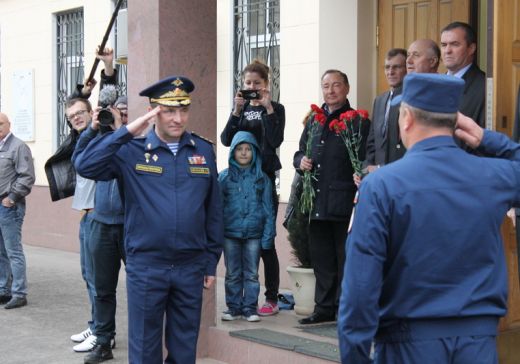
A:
468, 131
139, 125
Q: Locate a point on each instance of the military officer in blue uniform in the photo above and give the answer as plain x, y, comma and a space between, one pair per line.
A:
426, 277
173, 220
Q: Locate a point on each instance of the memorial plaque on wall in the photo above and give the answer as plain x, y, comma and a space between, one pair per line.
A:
22, 119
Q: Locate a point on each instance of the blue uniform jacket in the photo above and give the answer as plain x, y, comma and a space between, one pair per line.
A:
425, 241
247, 197
173, 211
108, 207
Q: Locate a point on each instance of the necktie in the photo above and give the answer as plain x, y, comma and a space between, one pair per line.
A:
384, 127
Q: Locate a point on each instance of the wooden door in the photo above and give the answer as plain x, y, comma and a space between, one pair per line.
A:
400, 22
506, 68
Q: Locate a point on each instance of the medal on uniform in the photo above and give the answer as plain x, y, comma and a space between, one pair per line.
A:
147, 157
155, 157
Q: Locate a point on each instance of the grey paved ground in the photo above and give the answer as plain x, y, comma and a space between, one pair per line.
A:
58, 307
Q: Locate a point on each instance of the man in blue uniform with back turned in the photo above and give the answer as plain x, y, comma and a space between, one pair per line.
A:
427, 278
173, 220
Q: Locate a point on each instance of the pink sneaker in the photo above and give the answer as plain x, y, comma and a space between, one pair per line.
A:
268, 309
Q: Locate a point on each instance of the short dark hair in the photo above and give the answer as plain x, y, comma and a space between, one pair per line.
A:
395, 52
469, 33
343, 75
433, 119
257, 67
71, 102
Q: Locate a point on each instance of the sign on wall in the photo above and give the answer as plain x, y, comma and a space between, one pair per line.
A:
22, 120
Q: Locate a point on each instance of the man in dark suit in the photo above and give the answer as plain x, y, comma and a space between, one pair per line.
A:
458, 48
383, 143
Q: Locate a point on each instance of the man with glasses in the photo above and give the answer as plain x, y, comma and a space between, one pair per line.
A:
383, 143
64, 182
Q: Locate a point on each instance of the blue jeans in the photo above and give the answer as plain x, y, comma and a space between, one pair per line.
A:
106, 247
85, 258
242, 257
12, 259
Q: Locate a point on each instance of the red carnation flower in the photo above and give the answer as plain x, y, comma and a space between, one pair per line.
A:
316, 109
363, 114
320, 118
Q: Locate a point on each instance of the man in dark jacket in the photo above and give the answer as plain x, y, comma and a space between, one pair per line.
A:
458, 48
335, 191
106, 243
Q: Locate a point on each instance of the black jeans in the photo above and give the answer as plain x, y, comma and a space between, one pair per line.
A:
327, 250
107, 250
270, 257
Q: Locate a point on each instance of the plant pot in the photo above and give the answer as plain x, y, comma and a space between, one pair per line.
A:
303, 284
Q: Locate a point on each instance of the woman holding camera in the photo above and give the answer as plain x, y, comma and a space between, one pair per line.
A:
255, 112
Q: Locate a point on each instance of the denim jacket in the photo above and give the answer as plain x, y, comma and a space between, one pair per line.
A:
108, 208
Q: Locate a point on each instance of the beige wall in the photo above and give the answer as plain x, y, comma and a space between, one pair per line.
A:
28, 42
314, 36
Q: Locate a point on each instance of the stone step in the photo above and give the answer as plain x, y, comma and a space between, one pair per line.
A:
260, 345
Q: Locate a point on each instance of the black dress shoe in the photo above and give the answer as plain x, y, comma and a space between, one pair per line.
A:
99, 354
316, 318
4, 299
16, 302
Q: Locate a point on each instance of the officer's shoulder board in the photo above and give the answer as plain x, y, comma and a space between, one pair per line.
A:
203, 138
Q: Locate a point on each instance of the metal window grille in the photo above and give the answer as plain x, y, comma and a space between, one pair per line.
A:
257, 36
70, 54
122, 74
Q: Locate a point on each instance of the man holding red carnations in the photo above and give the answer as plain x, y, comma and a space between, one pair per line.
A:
327, 158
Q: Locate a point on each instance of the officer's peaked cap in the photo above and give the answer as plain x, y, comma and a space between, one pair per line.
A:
171, 91
431, 92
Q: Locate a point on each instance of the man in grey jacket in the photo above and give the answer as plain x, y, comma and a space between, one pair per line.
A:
16, 181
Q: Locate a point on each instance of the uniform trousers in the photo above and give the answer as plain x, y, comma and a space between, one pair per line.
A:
449, 350
327, 251
157, 293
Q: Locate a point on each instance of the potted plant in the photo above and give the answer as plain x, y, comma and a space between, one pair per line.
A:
302, 275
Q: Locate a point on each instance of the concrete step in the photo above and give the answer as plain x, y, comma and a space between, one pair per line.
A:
235, 347
209, 361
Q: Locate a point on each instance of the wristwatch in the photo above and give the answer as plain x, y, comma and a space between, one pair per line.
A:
10, 201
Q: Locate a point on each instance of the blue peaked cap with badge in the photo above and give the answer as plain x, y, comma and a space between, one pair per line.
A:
431, 92
170, 91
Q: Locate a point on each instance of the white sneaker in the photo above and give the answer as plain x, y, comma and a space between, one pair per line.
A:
87, 345
252, 318
230, 316
79, 338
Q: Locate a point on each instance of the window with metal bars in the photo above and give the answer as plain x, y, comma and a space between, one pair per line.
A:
257, 36
70, 68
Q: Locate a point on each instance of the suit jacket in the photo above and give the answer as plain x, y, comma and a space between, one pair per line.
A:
383, 149
473, 102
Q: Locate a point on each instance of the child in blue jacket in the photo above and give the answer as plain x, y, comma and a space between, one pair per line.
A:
249, 225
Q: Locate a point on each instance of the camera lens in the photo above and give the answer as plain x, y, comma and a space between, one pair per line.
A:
105, 117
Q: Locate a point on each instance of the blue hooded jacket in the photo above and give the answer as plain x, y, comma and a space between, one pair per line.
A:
246, 195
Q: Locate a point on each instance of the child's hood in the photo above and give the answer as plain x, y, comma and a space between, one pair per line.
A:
246, 137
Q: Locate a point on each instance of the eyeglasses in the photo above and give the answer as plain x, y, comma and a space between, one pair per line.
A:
77, 113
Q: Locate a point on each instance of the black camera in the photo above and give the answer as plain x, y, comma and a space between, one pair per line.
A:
107, 96
105, 117
251, 94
